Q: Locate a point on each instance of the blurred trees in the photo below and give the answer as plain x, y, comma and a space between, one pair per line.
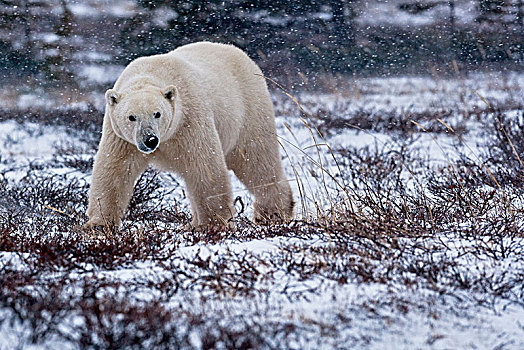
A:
16, 29
34, 37
41, 37
58, 53
260, 27
491, 10
324, 34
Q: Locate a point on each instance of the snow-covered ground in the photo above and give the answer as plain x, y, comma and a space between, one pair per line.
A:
311, 287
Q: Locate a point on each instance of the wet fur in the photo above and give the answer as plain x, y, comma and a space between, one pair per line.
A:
220, 117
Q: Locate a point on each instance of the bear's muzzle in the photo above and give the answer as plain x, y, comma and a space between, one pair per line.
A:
148, 143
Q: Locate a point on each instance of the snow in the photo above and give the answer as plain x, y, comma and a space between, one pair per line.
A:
330, 314
93, 8
29, 143
101, 74
30, 100
438, 292
387, 12
91, 56
457, 321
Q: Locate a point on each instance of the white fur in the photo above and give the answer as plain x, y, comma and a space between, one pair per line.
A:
216, 114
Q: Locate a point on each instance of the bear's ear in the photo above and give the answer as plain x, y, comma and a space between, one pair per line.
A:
170, 92
112, 97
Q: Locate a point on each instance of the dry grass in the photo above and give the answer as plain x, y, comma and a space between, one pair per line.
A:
391, 219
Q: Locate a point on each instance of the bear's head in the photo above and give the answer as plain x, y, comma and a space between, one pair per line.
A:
144, 117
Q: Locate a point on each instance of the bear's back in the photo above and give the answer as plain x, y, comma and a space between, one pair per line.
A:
211, 53
235, 87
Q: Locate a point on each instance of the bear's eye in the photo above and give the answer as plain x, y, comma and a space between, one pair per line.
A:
157, 115
132, 118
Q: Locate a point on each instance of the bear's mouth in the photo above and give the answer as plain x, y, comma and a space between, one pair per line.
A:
145, 150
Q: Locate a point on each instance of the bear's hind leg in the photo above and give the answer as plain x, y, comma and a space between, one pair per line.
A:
259, 168
211, 200
209, 190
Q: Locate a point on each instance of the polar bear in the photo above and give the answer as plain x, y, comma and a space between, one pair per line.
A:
197, 111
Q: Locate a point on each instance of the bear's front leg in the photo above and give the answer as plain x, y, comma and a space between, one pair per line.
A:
116, 168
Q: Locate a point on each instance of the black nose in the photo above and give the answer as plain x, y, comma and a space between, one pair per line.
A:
151, 142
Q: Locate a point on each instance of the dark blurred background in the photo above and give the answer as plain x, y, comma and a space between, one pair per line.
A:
84, 44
